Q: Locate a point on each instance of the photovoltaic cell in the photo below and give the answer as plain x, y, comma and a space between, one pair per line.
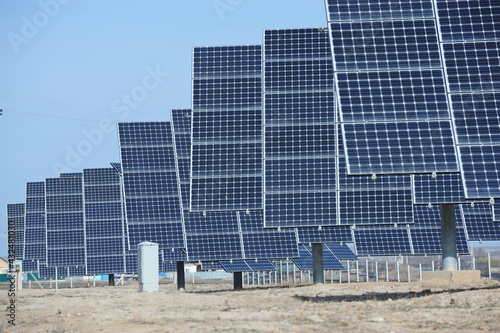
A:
106, 237
210, 266
15, 214
306, 182
35, 244
65, 226
445, 188
337, 234
305, 261
391, 87
479, 223
471, 42
224, 235
496, 210
226, 154
152, 200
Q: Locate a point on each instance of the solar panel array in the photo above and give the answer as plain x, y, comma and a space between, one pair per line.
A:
306, 182
305, 261
226, 156
223, 235
391, 87
15, 213
152, 200
65, 225
470, 32
35, 247
106, 237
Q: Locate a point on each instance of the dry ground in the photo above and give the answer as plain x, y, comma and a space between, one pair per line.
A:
437, 305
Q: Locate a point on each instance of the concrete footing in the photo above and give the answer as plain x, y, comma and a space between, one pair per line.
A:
455, 276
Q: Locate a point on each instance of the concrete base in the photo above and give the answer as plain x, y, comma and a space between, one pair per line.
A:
148, 287
456, 276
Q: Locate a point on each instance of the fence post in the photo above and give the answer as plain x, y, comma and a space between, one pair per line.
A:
420, 271
387, 271
489, 265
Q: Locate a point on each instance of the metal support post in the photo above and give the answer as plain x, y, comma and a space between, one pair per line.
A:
448, 237
181, 276
317, 257
238, 280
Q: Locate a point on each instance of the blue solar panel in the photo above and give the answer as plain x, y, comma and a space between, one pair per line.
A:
15, 213
391, 86
152, 200
305, 261
341, 252
210, 266
306, 182
479, 223
106, 236
35, 234
30, 265
174, 255
470, 36
337, 234
426, 231
382, 240
46, 272
247, 265
224, 235
117, 167
64, 211
496, 210
226, 170
444, 188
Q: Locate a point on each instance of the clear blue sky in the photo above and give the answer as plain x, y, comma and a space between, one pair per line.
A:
70, 64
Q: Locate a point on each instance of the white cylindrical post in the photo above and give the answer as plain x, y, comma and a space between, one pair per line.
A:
409, 273
473, 263
420, 271
357, 270
376, 271
397, 269
387, 271
367, 275
489, 265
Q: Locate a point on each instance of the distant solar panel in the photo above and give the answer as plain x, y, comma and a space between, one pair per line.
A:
35, 234
210, 266
15, 213
226, 155
306, 182
341, 252
337, 234
305, 261
382, 240
471, 40
391, 87
426, 231
247, 265
106, 236
479, 223
152, 201
64, 211
224, 235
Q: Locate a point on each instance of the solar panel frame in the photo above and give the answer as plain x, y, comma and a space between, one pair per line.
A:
478, 221
382, 240
246, 266
305, 261
341, 251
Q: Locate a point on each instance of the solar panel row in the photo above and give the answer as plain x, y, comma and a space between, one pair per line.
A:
15, 215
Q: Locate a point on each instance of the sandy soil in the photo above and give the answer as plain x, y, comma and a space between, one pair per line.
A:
436, 306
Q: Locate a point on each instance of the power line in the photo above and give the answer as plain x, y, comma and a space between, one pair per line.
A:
59, 117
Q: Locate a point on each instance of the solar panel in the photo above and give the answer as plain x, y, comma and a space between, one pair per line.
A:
247, 265
444, 188
391, 87
341, 251
64, 211
479, 223
471, 40
226, 155
117, 167
210, 266
152, 201
174, 255
15, 213
35, 234
105, 229
337, 234
305, 261
496, 210
224, 235
382, 240
426, 231
306, 182
30, 265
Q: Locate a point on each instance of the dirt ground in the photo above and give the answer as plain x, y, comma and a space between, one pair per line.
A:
437, 305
